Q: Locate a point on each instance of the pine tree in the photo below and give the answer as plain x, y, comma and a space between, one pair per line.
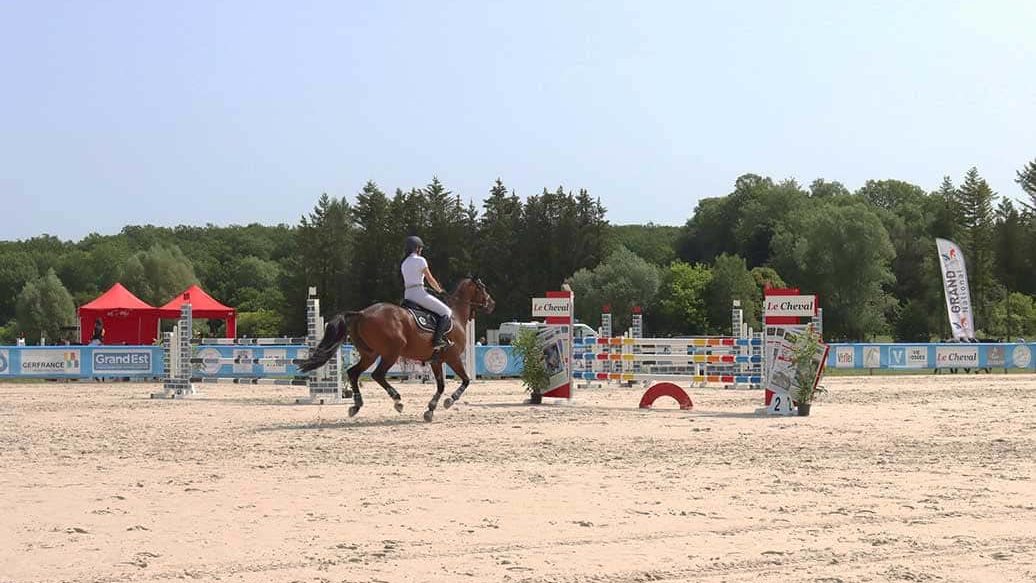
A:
499, 258
975, 202
324, 242
377, 250
1009, 246
1027, 180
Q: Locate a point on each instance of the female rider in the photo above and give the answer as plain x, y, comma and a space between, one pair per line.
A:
415, 270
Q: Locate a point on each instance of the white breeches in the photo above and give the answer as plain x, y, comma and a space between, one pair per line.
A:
421, 297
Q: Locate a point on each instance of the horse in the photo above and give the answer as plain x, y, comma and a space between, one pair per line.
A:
389, 331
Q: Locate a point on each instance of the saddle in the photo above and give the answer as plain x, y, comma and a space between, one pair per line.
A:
426, 321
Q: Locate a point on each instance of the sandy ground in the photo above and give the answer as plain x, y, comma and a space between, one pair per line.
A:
890, 479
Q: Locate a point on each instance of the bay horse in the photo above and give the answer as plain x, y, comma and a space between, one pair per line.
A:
389, 331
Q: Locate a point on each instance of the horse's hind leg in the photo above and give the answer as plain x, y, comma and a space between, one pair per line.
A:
379, 375
354, 372
453, 359
440, 385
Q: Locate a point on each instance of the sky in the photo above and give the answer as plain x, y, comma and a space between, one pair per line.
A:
166, 113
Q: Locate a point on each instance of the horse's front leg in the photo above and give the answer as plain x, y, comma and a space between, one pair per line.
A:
440, 386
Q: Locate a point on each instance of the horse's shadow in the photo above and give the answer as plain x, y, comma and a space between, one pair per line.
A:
343, 424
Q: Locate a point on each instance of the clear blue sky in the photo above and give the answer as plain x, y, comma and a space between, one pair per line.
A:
115, 113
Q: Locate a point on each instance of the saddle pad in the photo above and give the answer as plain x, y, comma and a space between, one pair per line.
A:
426, 320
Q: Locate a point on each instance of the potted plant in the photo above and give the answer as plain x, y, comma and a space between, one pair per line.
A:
807, 354
534, 367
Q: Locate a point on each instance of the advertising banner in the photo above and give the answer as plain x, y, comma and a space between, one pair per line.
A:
801, 306
551, 307
845, 357
908, 357
44, 362
948, 356
955, 288
121, 361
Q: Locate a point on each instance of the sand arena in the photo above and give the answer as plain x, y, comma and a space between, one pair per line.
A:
891, 479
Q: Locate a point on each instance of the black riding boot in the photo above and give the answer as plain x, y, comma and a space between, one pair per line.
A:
439, 340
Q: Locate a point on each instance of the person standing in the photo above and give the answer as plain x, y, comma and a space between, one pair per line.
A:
98, 335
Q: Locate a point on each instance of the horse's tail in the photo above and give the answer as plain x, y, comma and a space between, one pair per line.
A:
335, 333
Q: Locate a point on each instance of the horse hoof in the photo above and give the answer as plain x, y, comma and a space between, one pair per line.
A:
347, 395
399, 406
353, 411
447, 403
428, 415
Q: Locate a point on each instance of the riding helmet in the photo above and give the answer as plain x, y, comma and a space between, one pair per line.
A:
413, 242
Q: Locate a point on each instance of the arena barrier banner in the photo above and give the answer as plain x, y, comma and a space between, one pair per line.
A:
1010, 355
77, 362
147, 361
278, 360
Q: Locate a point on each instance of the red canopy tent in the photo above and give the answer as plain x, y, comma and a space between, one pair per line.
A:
127, 319
202, 306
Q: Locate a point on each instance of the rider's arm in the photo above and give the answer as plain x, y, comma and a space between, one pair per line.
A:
433, 281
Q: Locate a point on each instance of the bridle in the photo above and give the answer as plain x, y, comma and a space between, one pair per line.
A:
484, 304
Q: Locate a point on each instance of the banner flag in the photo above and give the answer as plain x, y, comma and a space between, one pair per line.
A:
955, 288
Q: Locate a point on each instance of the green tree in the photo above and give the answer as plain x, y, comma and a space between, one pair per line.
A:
324, 242
842, 252
448, 235
16, 269
378, 248
821, 188
259, 323
499, 258
623, 280
560, 235
912, 322
682, 308
1010, 247
1013, 316
158, 274
1027, 180
906, 212
654, 243
975, 203
730, 281
44, 306
767, 277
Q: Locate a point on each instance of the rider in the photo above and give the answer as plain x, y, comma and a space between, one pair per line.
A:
415, 270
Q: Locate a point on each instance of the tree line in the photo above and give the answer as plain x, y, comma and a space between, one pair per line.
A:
869, 255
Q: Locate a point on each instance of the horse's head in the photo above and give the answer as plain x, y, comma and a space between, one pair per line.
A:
476, 294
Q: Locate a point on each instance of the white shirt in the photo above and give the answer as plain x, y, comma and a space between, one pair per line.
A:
413, 270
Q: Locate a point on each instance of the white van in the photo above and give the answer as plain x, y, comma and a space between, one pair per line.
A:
508, 330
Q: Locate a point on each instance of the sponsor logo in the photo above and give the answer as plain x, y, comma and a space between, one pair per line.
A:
210, 355
845, 357
871, 357
1022, 356
121, 360
996, 356
547, 307
5, 362
950, 356
44, 362
495, 360
791, 306
917, 356
908, 357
